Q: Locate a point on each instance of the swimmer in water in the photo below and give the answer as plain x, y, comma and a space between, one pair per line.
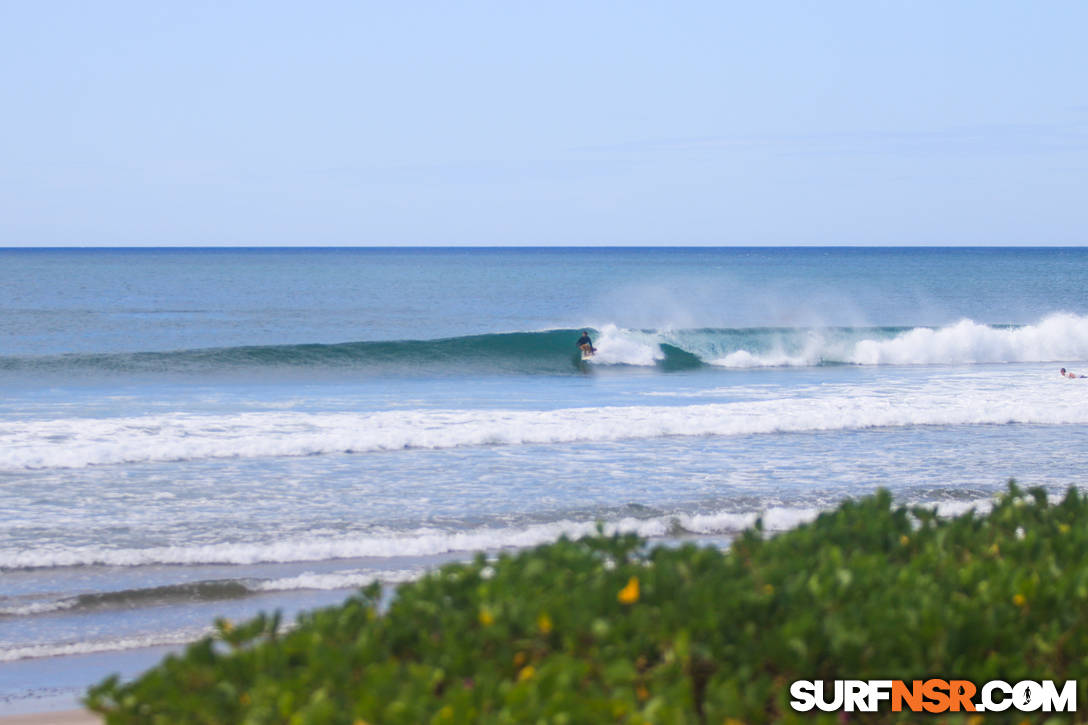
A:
1069, 375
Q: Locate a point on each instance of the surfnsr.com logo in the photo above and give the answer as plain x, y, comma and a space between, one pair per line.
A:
933, 695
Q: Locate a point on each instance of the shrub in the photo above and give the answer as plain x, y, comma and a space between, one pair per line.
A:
607, 629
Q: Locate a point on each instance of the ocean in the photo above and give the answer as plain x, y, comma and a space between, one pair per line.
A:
194, 433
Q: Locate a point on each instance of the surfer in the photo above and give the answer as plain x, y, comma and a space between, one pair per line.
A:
1069, 375
585, 344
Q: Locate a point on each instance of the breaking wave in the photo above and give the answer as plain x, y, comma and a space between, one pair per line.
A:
61, 649
1061, 337
201, 591
422, 542
76, 442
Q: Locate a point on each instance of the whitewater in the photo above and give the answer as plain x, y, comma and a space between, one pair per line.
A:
1059, 336
1030, 398
187, 434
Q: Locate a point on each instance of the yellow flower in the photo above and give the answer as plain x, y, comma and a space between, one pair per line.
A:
446, 713
544, 622
1019, 600
486, 618
244, 699
629, 594
768, 589
1064, 528
642, 693
975, 720
526, 672
904, 540
226, 626
733, 721
519, 659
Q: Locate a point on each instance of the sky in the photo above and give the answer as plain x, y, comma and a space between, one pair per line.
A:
543, 123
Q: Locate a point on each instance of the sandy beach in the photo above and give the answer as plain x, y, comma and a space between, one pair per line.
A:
61, 717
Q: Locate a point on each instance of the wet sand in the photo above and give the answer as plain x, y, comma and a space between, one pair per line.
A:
62, 717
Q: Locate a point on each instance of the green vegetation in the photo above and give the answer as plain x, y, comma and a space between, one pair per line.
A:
606, 629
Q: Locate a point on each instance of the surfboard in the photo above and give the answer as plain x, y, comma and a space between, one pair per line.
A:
586, 355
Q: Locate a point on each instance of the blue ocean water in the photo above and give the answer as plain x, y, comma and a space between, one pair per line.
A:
192, 433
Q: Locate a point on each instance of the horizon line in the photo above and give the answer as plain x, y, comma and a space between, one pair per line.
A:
294, 245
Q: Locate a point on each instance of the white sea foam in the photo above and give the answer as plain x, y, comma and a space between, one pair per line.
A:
814, 350
616, 346
778, 518
417, 542
79, 442
1058, 337
775, 359
420, 542
338, 580
60, 649
958, 508
38, 607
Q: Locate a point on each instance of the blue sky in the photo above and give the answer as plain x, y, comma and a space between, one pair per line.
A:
510, 123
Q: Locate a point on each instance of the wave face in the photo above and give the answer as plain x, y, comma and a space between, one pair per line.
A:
516, 352
1059, 337
199, 591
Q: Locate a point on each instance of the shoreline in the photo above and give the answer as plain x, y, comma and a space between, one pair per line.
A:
50, 688
53, 717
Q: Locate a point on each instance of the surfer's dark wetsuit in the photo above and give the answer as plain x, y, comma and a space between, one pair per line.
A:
584, 340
